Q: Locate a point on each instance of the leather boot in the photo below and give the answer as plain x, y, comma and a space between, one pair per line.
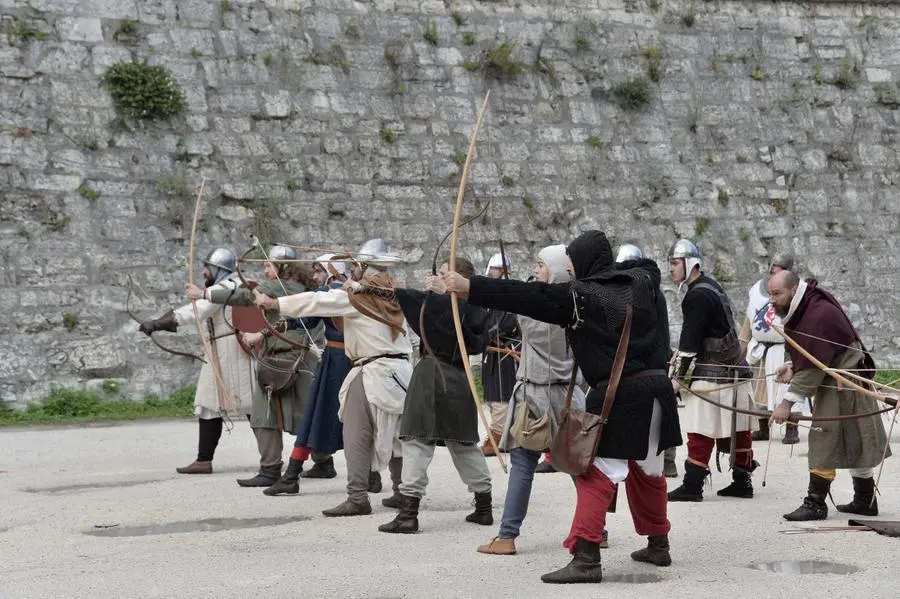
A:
691, 488
196, 468
350, 507
656, 552
395, 466
741, 485
406, 521
482, 514
584, 567
266, 477
499, 546
321, 470
374, 482
791, 435
287, 484
864, 502
763, 433
813, 507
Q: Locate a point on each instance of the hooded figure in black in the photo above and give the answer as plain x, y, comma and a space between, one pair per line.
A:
643, 421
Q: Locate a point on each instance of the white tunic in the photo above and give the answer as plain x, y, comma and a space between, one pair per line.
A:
384, 380
234, 363
767, 346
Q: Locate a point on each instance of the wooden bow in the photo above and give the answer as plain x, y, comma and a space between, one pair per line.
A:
226, 401
454, 300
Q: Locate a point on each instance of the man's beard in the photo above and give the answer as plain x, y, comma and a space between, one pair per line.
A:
781, 312
209, 280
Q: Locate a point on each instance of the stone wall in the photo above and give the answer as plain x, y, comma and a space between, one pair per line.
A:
768, 126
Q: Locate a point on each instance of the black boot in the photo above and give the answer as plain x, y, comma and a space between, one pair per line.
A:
287, 484
482, 514
763, 433
374, 482
740, 486
584, 567
395, 466
545, 467
656, 552
864, 502
266, 477
692, 487
321, 470
813, 507
406, 521
791, 435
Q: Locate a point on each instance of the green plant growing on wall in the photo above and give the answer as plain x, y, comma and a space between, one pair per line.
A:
469, 38
70, 320
431, 33
142, 91
87, 193
23, 30
497, 62
744, 234
634, 94
780, 205
817, 77
581, 43
267, 59
653, 57
758, 74
387, 134
848, 76
292, 184
458, 18
225, 6
507, 181
528, 202
57, 221
719, 272
352, 30
594, 142
459, 157
654, 5
723, 196
887, 96
110, 387
701, 226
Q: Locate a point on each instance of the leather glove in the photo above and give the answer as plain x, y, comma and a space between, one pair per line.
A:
166, 322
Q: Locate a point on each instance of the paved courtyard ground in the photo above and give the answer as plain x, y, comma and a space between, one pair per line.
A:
82, 510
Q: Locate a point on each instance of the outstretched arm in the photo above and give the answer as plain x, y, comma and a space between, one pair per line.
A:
547, 302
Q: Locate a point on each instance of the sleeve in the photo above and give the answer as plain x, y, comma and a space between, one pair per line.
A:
410, 301
474, 329
240, 296
185, 314
309, 322
804, 384
695, 309
547, 302
335, 302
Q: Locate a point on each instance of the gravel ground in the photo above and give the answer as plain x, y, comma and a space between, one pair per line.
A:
60, 486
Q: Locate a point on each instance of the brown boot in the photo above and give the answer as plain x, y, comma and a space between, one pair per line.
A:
763, 433
656, 552
791, 435
499, 546
584, 567
196, 468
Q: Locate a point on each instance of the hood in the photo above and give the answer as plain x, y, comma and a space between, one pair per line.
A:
647, 265
590, 254
554, 256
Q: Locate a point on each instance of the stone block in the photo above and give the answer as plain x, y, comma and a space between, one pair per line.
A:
80, 29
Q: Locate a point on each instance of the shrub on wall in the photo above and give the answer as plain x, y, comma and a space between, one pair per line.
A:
142, 91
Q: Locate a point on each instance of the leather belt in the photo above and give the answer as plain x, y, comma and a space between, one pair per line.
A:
364, 361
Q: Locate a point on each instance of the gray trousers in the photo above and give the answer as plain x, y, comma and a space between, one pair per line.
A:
359, 441
467, 458
270, 444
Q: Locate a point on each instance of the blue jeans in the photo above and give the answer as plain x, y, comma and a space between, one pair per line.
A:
518, 492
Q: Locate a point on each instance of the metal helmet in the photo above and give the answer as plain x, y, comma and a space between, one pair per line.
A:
785, 260
496, 261
374, 248
628, 252
221, 258
332, 268
685, 248
281, 252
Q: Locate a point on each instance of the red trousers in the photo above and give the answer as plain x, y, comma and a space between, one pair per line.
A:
301, 453
700, 449
647, 500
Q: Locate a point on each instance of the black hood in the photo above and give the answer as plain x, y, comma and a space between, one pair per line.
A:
648, 265
590, 253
